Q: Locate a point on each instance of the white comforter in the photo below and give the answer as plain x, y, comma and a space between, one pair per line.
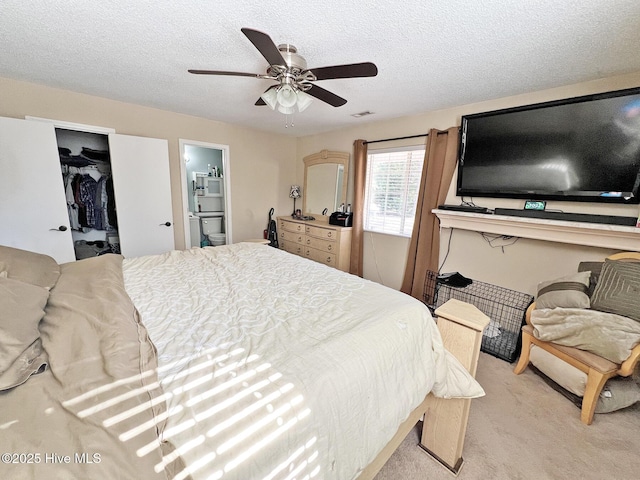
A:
275, 366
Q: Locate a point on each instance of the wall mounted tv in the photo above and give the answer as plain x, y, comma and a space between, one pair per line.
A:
579, 149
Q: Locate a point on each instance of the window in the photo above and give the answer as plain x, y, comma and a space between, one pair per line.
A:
391, 191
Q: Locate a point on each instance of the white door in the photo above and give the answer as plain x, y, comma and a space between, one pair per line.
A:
142, 189
33, 206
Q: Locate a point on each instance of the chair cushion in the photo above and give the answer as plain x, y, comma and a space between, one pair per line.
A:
588, 359
618, 392
564, 374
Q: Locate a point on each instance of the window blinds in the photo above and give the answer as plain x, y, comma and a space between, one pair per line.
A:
391, 190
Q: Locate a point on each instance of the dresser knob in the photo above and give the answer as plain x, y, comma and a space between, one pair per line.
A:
328, 259
329, 234
329, 247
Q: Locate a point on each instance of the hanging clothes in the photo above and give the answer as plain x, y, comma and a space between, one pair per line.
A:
87, 199
90, 200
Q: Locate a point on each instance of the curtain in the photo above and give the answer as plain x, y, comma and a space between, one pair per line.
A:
437, 172
357, 232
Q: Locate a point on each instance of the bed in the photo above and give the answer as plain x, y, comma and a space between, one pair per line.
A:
232, 362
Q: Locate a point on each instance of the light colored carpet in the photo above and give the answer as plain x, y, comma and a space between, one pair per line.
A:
523, 429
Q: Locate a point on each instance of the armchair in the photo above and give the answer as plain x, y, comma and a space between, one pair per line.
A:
597, 368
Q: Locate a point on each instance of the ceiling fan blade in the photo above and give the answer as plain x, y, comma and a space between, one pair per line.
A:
265, 46
366, 69
326, 96
260, 102
222, 72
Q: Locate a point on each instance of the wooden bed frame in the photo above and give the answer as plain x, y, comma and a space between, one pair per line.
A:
445, 420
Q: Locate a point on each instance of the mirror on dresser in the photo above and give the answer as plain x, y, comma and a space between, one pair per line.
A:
325, 182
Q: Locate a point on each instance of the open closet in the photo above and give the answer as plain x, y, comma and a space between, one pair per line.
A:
51, 174
88, 184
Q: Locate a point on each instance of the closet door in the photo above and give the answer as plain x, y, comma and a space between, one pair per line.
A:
33, 206
142, 189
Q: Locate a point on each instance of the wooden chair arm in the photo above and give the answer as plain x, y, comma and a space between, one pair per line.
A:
629, 365
527, 315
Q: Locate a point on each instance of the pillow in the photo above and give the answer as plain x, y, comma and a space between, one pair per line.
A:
595, 268
29, 267
564, 292
618, 393
618, 289
21, 309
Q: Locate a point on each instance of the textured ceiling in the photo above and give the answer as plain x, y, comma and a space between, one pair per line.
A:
430, 54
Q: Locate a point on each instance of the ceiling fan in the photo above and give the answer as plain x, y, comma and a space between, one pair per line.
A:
295, 81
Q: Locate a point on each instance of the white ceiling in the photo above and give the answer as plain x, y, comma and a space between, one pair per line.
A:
430, 54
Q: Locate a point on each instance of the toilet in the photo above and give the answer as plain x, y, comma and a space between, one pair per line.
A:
212, 229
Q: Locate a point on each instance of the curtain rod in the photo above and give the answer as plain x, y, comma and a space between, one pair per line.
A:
397, 138
402, 138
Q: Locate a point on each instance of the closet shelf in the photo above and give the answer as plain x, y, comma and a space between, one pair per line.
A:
577, 233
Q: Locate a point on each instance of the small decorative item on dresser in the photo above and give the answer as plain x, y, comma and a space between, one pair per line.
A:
294, 193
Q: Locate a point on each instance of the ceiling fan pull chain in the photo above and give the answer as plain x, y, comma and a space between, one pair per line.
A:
286, 125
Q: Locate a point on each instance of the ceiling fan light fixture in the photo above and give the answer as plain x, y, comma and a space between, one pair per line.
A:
270, 97
303, 101
287, 96
286, 110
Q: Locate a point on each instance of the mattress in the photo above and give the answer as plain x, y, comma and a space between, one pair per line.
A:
274, 366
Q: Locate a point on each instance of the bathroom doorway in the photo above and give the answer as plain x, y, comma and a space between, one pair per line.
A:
201, 161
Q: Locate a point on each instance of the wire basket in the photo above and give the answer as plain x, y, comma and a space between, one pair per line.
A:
505, 309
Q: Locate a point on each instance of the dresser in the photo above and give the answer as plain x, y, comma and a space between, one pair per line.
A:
316, 240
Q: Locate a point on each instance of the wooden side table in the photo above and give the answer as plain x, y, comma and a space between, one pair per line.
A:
445, 421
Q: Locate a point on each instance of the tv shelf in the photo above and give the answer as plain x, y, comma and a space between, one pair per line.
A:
561, 231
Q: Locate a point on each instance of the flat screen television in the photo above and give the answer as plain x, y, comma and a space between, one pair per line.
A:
579, 149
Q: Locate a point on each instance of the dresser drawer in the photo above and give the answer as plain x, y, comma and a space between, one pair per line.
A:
319, 232
320, 256
294, 227
291, 247
321, 244
293, 237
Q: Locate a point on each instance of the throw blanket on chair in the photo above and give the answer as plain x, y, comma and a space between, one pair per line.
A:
605, 334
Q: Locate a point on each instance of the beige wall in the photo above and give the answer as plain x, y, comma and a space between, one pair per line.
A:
520, 266
263, 168
262, 165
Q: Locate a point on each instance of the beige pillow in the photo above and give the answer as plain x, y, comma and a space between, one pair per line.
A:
21, 309
29, 267
565, 292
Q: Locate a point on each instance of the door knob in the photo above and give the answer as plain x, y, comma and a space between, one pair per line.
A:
61, 228
166, 224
